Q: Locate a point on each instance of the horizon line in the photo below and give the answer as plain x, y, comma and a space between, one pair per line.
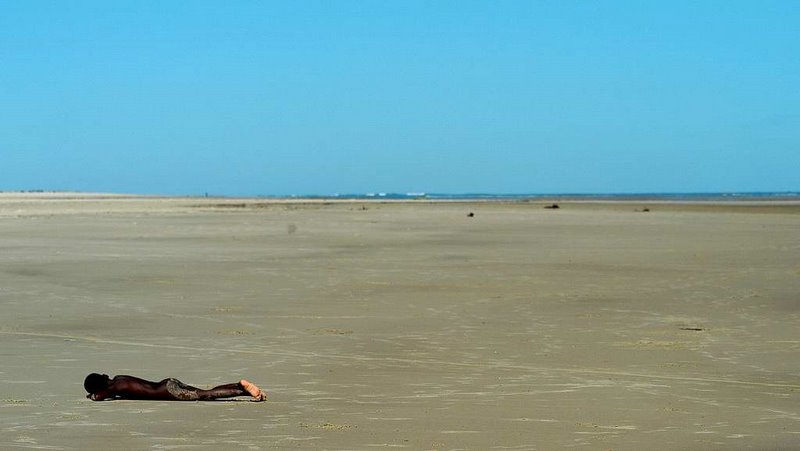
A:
421, 195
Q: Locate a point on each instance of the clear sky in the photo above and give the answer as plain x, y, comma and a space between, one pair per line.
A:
322, 97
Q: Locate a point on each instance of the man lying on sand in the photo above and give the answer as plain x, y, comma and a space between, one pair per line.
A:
100, 387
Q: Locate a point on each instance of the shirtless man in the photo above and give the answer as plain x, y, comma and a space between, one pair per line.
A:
100, 387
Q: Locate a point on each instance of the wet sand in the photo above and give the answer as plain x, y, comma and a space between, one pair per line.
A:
402, 325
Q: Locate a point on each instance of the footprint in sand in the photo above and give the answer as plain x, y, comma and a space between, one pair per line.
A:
328, 426
332, 331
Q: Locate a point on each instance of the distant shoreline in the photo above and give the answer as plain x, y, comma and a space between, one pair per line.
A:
759, 197
46, 203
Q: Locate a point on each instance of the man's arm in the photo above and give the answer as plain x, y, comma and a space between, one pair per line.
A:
99, 396
110, 392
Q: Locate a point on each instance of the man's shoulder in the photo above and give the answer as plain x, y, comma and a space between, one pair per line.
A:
123, 380
125, 377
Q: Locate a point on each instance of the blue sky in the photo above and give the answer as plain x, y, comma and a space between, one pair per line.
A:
323, 97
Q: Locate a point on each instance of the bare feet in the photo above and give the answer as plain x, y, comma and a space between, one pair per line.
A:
254, 391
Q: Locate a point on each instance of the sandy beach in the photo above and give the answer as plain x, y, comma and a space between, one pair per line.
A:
402, 325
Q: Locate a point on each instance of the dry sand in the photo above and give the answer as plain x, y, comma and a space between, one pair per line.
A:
402, 325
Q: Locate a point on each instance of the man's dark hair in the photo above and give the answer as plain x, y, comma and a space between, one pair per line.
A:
95, 382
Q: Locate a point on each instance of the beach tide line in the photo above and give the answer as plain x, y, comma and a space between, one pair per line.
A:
312, 355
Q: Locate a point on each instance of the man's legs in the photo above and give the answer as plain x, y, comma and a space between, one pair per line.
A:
221, 391
241, 388
178, 391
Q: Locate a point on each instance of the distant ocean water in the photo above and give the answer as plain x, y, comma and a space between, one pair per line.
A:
733, 196
721, 196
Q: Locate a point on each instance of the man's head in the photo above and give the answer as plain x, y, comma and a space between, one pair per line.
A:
96, 382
